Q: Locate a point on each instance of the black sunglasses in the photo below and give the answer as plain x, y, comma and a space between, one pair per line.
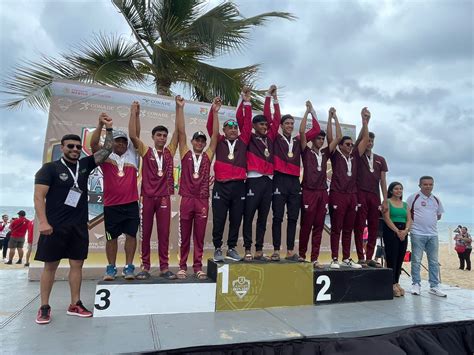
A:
71, 146
348, 144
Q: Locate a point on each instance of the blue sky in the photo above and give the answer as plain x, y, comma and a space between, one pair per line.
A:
410, 62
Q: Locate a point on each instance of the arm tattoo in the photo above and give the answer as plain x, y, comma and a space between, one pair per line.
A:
101, 155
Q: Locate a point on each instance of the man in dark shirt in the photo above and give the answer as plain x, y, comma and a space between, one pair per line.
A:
60, 199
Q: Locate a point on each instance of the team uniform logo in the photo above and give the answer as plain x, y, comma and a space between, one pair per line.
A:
63, 176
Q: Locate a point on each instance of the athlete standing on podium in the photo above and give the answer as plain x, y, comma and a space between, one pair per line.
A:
371, 173
259, 176
315, 189
194, 188
157, 186
230, 172
121, 211
286, 181
343, 190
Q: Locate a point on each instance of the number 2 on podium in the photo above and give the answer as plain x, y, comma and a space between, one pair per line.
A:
224, 270
322, 295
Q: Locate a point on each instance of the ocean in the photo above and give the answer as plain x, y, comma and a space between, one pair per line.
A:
445, 229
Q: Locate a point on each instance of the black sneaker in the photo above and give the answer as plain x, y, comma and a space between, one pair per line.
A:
9, 262
232, 254
18, 262
218, 256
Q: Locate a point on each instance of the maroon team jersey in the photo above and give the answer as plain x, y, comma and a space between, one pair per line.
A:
226, 169
120, 189
154, 185
313, 178
191, 185
340, 180
367, 180
256, 158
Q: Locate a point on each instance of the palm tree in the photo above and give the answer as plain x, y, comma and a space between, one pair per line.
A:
174, 40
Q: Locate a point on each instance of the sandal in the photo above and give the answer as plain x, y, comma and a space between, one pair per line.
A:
143, 275
260, 256
275, 256
181, 274
168, 275
200, 275
248, 256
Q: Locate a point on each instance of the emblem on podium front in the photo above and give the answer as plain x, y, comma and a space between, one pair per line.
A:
241, 286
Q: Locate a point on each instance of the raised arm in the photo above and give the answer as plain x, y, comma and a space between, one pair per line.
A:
216, 106
245, 96
103, 153
246, 129
303, 140
332, 143
95, 139
40, 208
134, 123
274, 124
362, 146
179, 123
315, 127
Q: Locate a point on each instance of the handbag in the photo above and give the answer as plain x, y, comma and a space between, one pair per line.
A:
460, 248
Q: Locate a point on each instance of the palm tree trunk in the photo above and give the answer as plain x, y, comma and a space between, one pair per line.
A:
163, 87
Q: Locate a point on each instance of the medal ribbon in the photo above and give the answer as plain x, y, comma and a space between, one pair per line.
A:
159, 160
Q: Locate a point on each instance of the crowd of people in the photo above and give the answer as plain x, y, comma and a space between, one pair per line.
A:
463, 247
257, 166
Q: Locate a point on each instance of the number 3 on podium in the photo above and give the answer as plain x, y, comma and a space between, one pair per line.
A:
326, 282
105, 298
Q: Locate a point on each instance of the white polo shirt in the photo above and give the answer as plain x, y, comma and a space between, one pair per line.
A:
426, 211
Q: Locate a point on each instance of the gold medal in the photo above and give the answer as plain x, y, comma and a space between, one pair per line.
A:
290, 154
230, 156
121, 173
349, 173
266, 152
196, 175
319, 168
160, 173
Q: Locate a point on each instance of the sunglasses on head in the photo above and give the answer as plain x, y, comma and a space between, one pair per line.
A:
71, 146
230, 124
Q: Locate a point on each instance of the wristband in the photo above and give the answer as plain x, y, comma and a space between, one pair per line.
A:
109, 129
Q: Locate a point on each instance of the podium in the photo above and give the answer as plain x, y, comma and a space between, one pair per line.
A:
256, 284
153, 296
352, 285
243, 285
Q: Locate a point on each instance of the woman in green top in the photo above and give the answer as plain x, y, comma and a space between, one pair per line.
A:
395, 233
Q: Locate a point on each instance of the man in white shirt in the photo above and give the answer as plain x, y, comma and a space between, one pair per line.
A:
426, 210
4, 229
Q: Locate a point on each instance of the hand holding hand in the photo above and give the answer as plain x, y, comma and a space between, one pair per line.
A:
309, 106
216, 104
365, 114
106, 120
135, 109
246, 94
179, 101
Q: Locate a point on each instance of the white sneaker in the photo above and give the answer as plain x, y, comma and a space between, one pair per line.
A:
351, 263
415, 289
437, 292
334, 264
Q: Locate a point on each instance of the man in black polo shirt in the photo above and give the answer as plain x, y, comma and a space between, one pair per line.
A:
60, 199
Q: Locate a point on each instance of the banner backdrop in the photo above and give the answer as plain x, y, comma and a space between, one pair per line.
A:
75, 108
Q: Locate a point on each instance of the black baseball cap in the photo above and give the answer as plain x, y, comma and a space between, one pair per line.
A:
21, 213
199, 134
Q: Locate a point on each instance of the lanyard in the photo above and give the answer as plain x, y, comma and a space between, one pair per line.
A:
319, 158
159, 160
371, 162
348, 162
74, 177
120, 160
197, 163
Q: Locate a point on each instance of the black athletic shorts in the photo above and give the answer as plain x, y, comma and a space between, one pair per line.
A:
121, 219
66, 242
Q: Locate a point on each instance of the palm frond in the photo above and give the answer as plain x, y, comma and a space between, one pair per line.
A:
222, 29
105, 60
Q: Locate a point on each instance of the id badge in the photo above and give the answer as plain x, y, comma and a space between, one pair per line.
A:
73, 197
